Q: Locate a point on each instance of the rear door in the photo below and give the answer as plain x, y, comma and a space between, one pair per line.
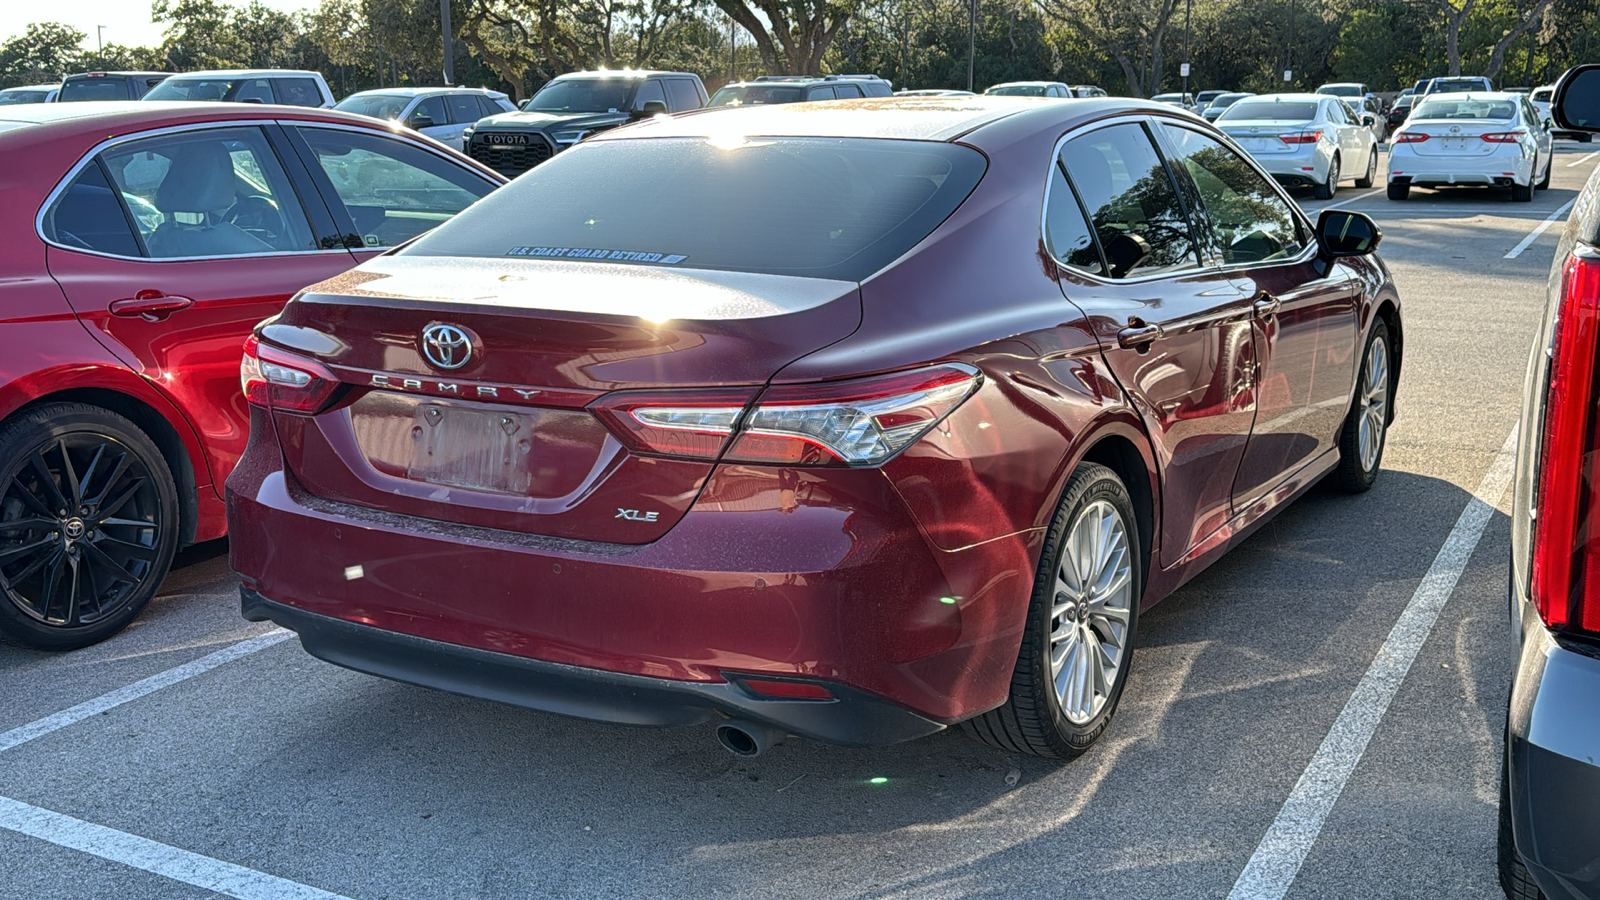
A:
464, 111
218, 238
1304, 319
1176, 333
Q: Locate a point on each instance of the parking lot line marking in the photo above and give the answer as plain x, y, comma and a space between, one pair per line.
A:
1582, 159
25, 733
152, 856
1277, 860
1534, 234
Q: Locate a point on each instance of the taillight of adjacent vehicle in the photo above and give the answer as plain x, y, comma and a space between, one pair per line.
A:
859, 422
1301, 137
1566, 543
283, 382
1410, 137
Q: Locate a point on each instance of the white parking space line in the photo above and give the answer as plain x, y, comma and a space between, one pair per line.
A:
152, 856
1534, 234
24, 733
1582, 159
1277, 860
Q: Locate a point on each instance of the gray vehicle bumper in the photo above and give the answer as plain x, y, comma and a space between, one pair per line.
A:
1553, 763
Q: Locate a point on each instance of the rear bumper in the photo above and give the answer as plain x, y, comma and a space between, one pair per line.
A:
1301, 169
1498, 169
1553, 764
853, 718
770, 574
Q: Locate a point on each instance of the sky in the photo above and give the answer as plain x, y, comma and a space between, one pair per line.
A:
126, 22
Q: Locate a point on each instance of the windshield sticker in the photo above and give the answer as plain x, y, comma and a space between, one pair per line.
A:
667, 259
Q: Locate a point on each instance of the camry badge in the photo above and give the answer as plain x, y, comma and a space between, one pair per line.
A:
446, 347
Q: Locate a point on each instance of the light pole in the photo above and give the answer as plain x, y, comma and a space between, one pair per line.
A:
100, 36
733, 52
449, 45
972, 39
1188, 8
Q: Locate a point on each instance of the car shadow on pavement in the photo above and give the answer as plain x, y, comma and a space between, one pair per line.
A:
1236, 680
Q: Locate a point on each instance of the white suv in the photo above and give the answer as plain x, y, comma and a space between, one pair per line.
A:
289, 87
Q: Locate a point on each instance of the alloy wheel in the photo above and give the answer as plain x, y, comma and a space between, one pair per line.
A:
1090, 614
80, 528
1374, 403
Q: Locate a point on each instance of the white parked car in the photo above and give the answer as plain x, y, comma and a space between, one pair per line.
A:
1304, 140
1030, 89
1222, 102
1181, 101
289, 87
442, 113
1540, 98
31, 93
1489, 139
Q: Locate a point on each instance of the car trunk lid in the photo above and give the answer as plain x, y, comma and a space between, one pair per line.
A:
1258, 136
506, 439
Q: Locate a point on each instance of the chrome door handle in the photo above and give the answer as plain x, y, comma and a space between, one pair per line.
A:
1266, 306
152, 306
1138, 334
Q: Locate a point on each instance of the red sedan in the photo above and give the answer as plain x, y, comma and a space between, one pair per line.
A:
143, 242
850, 420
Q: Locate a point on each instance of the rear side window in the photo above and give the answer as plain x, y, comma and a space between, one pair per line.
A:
1132, 202
464, 109
487, 107
847, 91
821, 207
299, 92
682, 94
392, 190
94, 89
1066, 232
650, 90
87, 216
821, 93
254, 89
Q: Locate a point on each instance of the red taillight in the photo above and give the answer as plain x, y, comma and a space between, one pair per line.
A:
684, 424
1566, 542
282, 382
1301, 137
1410, 137
861, 422
1503, 137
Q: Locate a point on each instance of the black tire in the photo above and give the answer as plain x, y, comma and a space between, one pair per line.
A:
1357, 471
1033, 719
110, 553
1371, 177
1521, 193
1544, 183
1327, 189
1515, 879
1399, 191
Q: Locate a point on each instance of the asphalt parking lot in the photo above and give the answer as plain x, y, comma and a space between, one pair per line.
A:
172, 758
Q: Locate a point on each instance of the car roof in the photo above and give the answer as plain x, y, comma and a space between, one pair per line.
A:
1021, 84
108, 118
101, 73
419, 91
1467, 95
902, 118
1296, 98
244, 73
33, 87
615, 73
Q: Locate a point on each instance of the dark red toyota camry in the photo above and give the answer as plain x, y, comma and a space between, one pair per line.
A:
850, 420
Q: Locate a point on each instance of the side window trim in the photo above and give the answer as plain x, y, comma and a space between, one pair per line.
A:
1147, 124
324, 224
1077, 199
122, 204
1198, 237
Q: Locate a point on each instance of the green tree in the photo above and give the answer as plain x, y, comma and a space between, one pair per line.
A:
45, 51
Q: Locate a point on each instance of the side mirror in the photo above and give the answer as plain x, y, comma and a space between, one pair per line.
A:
1549, 124
651, 108
420, 121
1344, 233
1368, 119
1576, 104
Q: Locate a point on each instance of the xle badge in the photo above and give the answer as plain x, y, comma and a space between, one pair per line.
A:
634, 515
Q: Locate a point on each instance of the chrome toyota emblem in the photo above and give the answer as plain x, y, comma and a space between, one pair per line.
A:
1455, 129
447, 347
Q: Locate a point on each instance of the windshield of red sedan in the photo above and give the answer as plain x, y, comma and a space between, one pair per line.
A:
821, 207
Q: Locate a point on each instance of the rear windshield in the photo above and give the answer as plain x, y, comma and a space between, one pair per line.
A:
583, 95
1227, 100
1017, 90
1464, 109
378, 106
1270, 109
1446, 85
756, 95
1542, 95
1341, 90
820, 207
94, 89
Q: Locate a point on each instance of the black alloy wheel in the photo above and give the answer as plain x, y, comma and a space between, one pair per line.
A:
88, 525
